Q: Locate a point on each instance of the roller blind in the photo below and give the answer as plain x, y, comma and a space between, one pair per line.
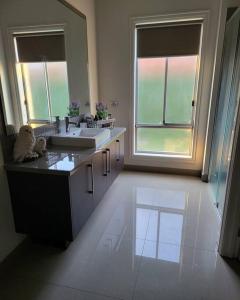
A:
36, 47
168, 40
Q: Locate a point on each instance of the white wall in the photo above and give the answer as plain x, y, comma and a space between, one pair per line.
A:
8, 105
87, 7
114, 63
8, 238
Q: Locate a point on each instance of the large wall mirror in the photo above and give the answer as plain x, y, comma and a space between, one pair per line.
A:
46, 61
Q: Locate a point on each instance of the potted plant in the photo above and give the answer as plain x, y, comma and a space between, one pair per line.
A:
74, 109
102, 112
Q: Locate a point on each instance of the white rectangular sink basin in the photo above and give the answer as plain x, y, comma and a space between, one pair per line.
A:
82, 137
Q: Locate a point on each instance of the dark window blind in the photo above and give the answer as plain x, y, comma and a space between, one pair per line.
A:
168, 40
36, 47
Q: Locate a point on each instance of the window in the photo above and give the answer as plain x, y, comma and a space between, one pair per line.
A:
42, 75
167, 60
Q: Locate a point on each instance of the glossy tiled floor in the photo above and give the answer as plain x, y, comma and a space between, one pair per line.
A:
152, 237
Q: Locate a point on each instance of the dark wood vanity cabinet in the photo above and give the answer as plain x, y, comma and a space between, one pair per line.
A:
81, 196
55, 207
41, 205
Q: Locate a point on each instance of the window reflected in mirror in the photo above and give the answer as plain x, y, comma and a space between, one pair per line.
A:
42, 75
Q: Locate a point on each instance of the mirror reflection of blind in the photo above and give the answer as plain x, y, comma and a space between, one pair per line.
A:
177, 39
36, 47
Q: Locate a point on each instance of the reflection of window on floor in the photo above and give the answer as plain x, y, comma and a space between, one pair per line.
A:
166, 77
42, 75
159, 220
161, 198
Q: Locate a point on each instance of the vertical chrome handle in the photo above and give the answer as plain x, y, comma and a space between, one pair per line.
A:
91, 189
118, 157
104, 163
109, 161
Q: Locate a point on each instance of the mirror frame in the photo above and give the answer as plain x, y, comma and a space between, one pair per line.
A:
71, 7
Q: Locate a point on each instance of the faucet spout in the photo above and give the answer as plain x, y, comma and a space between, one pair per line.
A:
57, 124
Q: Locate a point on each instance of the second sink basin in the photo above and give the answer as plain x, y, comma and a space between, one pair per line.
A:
82, 137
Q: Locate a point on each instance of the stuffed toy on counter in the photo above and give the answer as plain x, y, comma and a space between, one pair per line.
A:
26, 147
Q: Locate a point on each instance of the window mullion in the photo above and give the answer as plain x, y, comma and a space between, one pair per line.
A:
48, 91
165, 91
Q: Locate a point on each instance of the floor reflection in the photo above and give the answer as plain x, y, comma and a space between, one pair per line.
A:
159, 219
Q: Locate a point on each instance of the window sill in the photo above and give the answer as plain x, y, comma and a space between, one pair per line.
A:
163, 160
162, 155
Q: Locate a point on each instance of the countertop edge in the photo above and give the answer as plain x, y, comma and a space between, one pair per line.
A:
25, 169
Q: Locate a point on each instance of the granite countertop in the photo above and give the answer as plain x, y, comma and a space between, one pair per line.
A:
61, 160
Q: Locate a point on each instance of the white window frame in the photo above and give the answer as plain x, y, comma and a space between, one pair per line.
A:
163, 159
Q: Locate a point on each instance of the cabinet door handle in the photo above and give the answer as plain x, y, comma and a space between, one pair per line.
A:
108, 161
118, 156
91, 186
104, 163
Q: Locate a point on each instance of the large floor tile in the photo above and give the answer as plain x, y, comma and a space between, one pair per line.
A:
19, 289
169, 271
112, 270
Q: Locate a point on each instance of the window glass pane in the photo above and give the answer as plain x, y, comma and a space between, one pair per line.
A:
153, 224
170, 140
169, 252
170, 228
180, 89
35, 88
58, 88
142, 218
151, 73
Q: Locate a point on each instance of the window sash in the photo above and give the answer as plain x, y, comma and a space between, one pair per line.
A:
163, 152
30, 118
164, 124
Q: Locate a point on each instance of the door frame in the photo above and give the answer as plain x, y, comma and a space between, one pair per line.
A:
195, 162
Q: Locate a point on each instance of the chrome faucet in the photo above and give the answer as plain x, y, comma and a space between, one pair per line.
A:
67, 122
57, 124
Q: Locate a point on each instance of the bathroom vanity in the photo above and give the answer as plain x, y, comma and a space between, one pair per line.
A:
53, 197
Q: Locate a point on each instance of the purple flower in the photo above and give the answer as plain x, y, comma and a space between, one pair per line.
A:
74, 108
100, 106
74, 105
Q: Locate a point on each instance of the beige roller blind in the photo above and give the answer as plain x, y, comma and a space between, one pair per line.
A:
168, 39
35, 47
